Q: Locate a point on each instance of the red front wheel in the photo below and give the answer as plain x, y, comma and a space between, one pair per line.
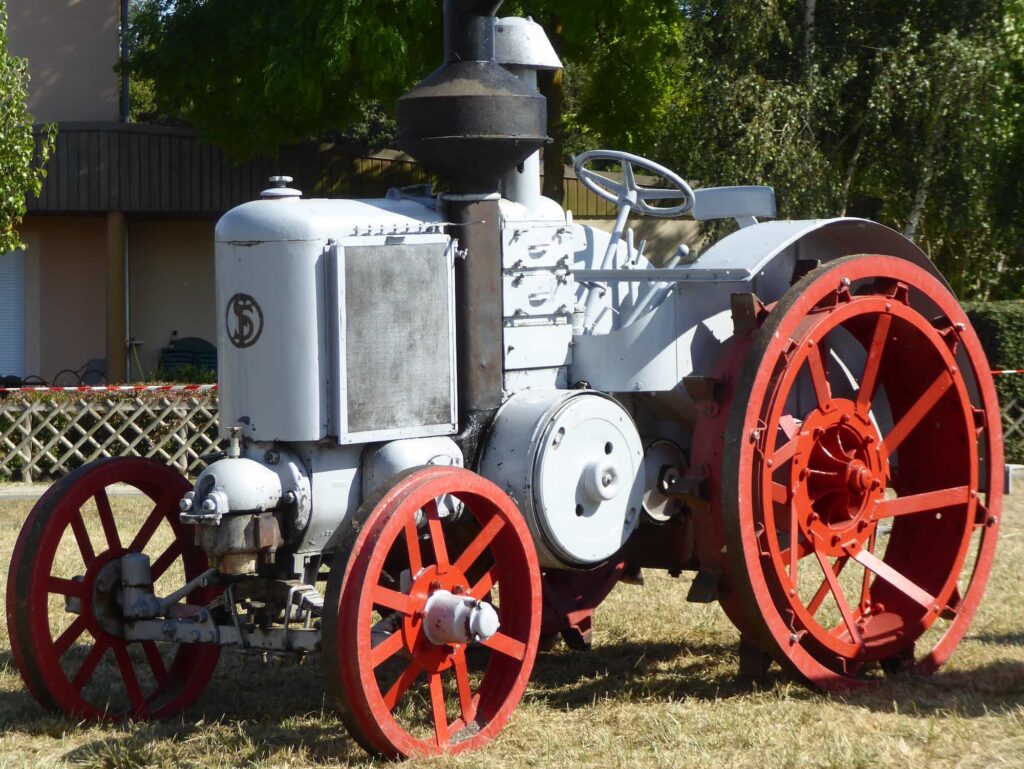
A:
431, 630
63, 605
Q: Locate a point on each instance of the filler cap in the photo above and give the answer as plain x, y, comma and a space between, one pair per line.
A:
279, 189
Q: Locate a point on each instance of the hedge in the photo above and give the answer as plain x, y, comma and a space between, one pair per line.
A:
1000, 325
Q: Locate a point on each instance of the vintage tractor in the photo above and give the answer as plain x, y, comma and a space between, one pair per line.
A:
453, 423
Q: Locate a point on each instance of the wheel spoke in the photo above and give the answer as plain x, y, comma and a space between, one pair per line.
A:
919, 503
865, 584
917, 594
918, 411
819, 377
392, 599
507, 645
82, 538
780, 494
823, 591
401, 686
794, 543
68, 587
479, 544
386, 649
840, 598
163, 563
131, 680
107, 519
440, 711
628, 178
656, 193
869, 379
412, 544
156, 662
153, 520
437, 536
483, 586
88, 667
465, 690
66, 639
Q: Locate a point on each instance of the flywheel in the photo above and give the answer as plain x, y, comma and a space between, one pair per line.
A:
862, 473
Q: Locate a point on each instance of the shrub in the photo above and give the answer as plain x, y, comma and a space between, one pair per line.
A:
1000, 325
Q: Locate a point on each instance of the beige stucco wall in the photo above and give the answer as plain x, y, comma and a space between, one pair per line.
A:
72, 47
65, 287
171, 276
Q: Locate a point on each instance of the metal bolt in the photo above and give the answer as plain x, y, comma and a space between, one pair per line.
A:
846, 281
960, 326
991, 520
794, 638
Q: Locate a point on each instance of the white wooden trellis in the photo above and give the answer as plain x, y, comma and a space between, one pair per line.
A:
1013, 420
46, 438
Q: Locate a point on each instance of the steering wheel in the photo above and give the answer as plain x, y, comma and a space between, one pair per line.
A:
627, 191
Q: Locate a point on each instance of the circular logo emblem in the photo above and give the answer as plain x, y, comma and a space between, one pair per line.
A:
244, 320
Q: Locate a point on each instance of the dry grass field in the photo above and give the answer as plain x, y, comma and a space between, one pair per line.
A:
658, 690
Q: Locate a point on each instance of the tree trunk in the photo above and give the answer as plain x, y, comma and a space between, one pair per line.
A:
552, 85
810, 9
851, 169
937, 124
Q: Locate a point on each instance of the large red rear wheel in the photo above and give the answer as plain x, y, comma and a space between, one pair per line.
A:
862, 473
63, 611
401, 689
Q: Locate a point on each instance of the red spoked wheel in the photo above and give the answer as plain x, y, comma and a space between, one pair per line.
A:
63, 611
862, 477
410, 675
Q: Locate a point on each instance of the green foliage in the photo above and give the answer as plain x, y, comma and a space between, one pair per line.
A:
256, 74
1000, 325
913, 105
21, 160
912, 110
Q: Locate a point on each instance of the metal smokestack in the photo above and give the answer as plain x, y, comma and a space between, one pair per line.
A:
471, 121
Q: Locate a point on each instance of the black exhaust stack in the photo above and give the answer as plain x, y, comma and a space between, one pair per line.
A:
470, 122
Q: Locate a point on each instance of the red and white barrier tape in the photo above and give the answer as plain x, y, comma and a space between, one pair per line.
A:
207, 387
113, 389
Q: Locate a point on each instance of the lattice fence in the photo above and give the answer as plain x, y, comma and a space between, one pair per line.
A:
44, 437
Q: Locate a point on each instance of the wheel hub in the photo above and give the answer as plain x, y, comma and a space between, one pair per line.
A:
103, 587
432, 655
839, 472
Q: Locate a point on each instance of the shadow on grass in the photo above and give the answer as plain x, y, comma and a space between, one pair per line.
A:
253, 712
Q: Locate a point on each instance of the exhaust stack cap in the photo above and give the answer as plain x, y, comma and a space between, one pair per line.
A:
522, 43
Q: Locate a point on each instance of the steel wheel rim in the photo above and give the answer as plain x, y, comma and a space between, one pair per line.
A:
482, 706
857, 292
177, 683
